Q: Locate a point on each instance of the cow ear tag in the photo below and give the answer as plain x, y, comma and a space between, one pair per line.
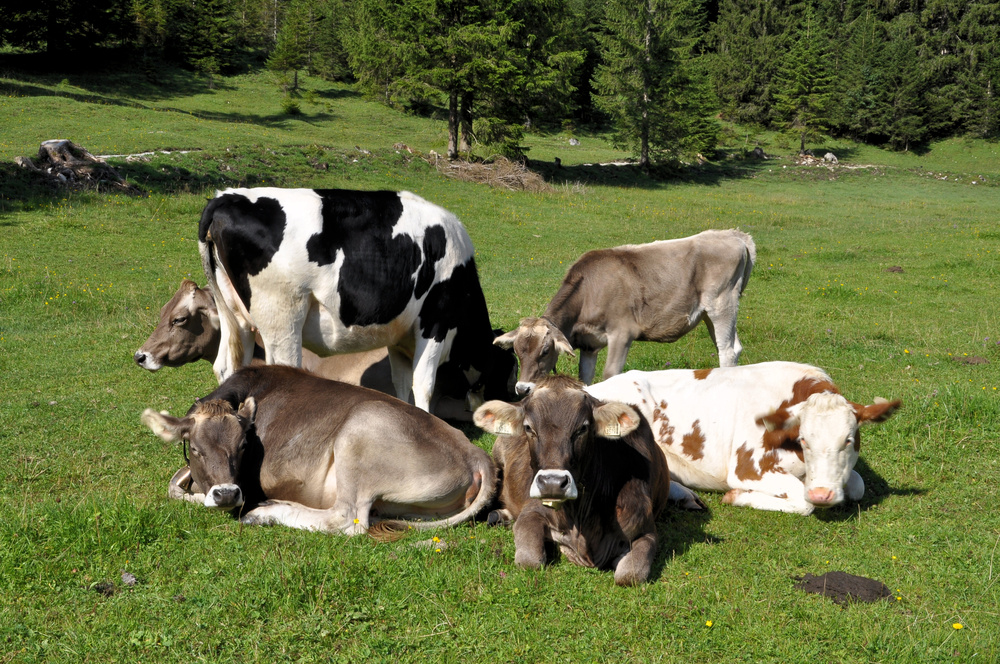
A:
503, 429
613, 429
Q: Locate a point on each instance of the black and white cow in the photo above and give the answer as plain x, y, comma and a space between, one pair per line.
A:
341, 271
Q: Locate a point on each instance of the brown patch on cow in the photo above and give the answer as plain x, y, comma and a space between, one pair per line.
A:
731, 496
971, 359
746, 469
783, 496
693, 444
665, 434
701, 374
842, 587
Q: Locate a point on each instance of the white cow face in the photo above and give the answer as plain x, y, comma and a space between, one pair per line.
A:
829, 434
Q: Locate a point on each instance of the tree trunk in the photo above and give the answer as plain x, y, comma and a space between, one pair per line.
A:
453, 124
465, 117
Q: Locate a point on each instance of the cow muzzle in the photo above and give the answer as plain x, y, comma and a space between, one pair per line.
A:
146, 361
822, 497
224, 497
523, 387
553, 487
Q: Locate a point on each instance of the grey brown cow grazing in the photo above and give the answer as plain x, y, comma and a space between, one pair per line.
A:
293, 449
580, 473
188, 331
640, 292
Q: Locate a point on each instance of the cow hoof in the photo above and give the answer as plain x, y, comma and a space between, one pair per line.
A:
731, 496
694, 504
497, 518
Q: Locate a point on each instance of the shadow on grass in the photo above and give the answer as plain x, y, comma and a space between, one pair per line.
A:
677, 530
631, 176
877, 489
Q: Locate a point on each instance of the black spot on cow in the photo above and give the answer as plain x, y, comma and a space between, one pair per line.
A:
246, 234
376, 281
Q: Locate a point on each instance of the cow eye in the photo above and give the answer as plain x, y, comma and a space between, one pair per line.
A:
195, 452
528, 430
545, 351
581, 430
804, 443
180, 320
849, 442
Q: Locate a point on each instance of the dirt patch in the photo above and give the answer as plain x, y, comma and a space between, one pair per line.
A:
894, 268
842, 587
971, 359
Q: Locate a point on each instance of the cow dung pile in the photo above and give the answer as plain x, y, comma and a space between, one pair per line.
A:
842, 587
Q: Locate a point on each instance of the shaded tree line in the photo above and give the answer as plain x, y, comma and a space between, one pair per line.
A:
660, 73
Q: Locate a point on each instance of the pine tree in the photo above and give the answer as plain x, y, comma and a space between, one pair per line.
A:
644, 82
804, 90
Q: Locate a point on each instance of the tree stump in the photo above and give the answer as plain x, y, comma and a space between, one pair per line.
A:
66, 163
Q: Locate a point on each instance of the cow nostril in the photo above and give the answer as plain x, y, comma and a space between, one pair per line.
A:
140, 357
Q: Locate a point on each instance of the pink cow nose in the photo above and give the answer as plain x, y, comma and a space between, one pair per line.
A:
820, 496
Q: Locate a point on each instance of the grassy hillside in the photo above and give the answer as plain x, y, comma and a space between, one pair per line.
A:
82, 495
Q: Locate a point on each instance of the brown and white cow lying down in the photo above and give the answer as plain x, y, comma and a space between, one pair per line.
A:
188, 331
638, 292
583, 474
775, 436
301, 451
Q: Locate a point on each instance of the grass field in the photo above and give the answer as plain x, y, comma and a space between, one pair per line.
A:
83, 489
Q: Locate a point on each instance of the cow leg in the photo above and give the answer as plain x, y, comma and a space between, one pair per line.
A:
766, 501
855, 489
235, 349
685, 497
617, 352
342, 517
588, 365
426, 359
633, 568
722, 330
281, 334
401, 367
530, 530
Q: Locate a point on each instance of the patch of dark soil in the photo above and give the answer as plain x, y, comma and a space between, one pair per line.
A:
971, 359
842, 587
894, 268
106, 588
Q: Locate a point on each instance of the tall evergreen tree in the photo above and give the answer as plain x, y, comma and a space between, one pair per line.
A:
909, 114
804, 90
644, 84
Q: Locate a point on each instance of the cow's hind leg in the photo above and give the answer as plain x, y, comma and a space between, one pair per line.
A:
722, 331
426, 359
633, 568
401, 368
685, 497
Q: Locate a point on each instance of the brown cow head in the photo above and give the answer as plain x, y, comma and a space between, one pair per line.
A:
560, 423
188, 330
218, 437
538, 344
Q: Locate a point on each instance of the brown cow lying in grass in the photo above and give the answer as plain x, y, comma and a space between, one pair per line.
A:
580, 473
293, 449
188, 331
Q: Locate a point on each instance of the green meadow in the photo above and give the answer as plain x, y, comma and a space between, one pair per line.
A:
883, 271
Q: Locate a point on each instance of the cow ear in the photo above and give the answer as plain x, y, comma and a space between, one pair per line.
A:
506, 340
782, 419
877, 412
247, 412
168, 428
615, 420
498, 417
560, 341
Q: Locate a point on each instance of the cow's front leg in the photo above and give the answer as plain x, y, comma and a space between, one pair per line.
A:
721, 324
530, 533
588, 365
340, 518
633, 568
618, 347
766, 501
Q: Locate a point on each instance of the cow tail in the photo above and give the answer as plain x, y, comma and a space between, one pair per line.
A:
206, 247
751, 258
393, 529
